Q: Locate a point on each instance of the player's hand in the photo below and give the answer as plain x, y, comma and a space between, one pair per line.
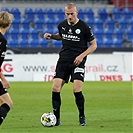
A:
47, 35
5, 84
78, 60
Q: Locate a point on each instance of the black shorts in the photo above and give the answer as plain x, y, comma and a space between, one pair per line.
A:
67, 70
2, 90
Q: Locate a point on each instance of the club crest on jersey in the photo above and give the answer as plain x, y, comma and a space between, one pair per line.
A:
77, 31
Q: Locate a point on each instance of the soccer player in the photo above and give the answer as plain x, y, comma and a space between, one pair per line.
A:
75, 34
5, 100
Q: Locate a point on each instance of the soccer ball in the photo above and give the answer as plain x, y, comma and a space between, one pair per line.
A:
48, 119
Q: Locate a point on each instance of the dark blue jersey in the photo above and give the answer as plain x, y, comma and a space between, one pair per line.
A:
74, 39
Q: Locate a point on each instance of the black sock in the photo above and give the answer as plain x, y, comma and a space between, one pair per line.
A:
79, 99
4, 109
56, 103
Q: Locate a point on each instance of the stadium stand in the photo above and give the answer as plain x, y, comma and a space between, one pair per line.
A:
22, 42
42, 43
56, 43
30, 24
116, 42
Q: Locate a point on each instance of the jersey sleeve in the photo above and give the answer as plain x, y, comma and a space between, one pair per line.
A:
2, 51
89, 34
59, 27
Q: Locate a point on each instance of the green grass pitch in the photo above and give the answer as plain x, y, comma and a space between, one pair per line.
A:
108, 108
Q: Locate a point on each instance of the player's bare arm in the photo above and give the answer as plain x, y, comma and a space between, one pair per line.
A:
4, 82
91, 48
52, 36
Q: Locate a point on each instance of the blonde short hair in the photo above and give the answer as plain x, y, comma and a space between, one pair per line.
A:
70, 6
5, 19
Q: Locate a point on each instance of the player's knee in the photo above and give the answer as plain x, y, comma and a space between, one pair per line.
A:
77, 89
10, 103
56, 88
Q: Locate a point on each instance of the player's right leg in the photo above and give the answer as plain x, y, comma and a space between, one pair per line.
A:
56, 98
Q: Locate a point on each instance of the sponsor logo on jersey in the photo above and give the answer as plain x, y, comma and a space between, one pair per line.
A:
70, 37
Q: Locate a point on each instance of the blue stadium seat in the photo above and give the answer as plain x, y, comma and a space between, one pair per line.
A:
131, 22
25, 23
39, 13
48, 10
55, 30
118, 33
16, 13
49, 26
49, 13
110, 23
116, 42
23, 43
42, 42
33, 43
11, 29
89, 12
108, 33
99, 42
97, 32
29, 13
98, 23
6, 35
107, 42
33, 33
13, 33
24, 33
12, 43
80, 13
57, 44
57, 20
16, 24
102, 13
46, 30
123, 22
126, 12
59, 13
4, 9
38, 24
116, 13
48, 20
132, 42
90, 22
129, 33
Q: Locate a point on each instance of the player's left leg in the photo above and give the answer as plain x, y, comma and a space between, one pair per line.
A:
5, 107
79, 99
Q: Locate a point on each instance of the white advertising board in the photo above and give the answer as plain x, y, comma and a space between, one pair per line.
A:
41, 67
